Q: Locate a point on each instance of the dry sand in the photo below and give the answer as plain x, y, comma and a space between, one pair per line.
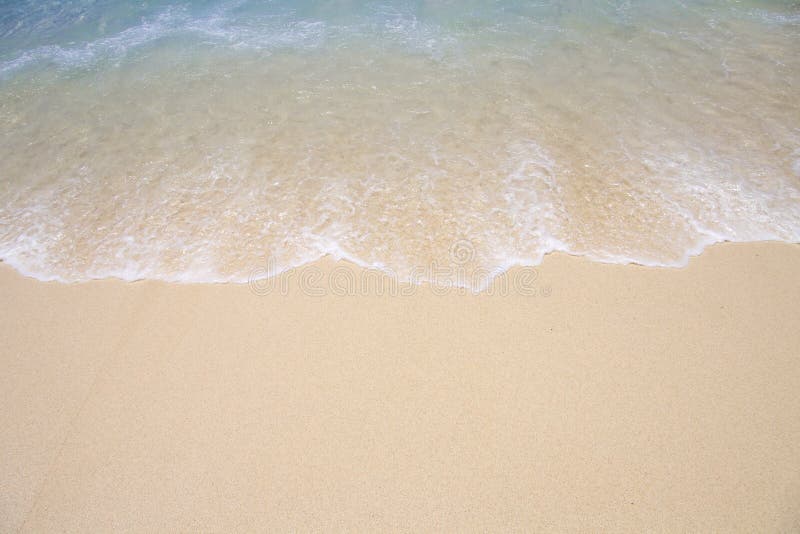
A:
616, 398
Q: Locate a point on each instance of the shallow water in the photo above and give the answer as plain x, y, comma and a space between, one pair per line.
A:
201, 141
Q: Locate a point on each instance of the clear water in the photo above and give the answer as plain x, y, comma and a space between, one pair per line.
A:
193, 141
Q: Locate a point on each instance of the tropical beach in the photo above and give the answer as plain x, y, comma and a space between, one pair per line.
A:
400, 265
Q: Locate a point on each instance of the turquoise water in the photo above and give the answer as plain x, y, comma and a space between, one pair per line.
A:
195, 141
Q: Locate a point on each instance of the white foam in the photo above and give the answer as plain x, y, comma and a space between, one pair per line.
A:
217, 29
221, 27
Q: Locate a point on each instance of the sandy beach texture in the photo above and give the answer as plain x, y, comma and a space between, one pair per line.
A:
616, 398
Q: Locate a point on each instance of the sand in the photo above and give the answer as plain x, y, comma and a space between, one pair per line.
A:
616, 398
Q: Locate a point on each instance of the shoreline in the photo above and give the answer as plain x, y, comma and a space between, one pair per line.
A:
334, 261
613, 397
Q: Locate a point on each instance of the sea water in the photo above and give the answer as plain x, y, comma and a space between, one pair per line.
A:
194, 141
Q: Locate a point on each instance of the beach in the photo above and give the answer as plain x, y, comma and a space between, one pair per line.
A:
603, 397
398, 265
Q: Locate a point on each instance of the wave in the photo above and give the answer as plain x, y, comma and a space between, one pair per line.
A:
171, 23
391, 133
257, 31
221, 227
